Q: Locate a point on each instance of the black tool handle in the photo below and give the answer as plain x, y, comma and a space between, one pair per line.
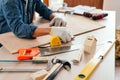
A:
52, 76
1, 45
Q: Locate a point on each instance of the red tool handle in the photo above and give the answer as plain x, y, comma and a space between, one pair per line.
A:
29, 53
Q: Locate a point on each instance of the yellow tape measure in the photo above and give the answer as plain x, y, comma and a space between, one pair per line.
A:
55, 41
94, 62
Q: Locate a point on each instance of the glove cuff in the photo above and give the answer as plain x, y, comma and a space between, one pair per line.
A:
50, 31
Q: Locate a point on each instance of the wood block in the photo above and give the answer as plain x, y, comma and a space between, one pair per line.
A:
90, 45
39, 75
77, 56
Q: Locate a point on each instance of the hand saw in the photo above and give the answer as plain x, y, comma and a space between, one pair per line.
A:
94, 62
59, 49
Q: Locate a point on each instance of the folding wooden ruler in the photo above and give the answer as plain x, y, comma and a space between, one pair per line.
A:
94, 62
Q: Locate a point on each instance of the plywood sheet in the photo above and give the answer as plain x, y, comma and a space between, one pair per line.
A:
13, 43
76, 24
80, 24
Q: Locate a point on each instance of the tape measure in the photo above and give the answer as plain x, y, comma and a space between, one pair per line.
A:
55, 41
94, 62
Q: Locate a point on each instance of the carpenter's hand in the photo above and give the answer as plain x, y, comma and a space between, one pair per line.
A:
62, 32
57, 21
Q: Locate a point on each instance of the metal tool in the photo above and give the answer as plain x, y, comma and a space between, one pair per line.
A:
94, 62
34, 60
59, 49
48, 51
54, 48
62, 63
29, 53
26, 69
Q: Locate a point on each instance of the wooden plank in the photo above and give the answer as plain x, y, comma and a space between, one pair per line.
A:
13, 43
76, 24
80, 24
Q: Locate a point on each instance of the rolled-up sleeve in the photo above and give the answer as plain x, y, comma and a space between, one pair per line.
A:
14, 20
43, 10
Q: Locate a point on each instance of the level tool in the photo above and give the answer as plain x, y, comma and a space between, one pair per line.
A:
94, 62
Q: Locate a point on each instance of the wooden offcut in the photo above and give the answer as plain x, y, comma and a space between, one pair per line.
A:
39, 75
90, 45
76, 24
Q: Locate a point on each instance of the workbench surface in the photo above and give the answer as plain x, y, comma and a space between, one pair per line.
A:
105, 71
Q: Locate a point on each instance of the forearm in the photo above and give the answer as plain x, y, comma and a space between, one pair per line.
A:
41, 31
52, 16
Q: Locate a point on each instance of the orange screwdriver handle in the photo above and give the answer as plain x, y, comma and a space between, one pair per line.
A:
29, 53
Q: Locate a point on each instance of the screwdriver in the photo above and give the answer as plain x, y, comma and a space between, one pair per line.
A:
34, 60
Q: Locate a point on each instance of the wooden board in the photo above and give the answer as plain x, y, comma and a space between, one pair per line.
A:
80, 24
12, 43
76, 24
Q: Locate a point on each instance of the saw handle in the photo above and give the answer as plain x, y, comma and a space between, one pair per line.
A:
27, 53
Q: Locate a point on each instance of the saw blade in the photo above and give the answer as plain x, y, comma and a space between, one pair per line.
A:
57, 50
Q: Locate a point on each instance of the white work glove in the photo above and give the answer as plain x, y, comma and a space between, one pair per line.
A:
57, 21
64, 35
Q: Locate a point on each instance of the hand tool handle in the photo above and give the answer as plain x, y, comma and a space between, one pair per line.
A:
40, 59
28, 53
1, 45
52, 70
52, 76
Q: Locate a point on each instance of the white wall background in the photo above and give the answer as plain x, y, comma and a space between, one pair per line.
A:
113, 5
